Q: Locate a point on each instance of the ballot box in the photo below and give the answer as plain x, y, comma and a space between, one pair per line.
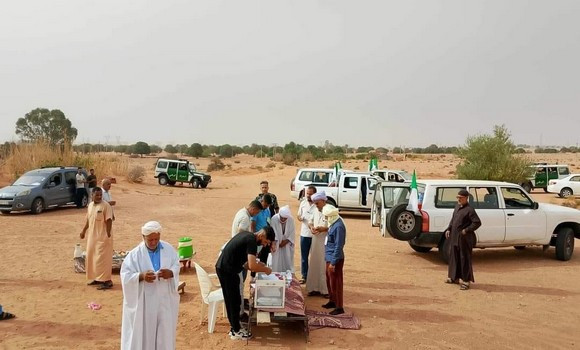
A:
270, 290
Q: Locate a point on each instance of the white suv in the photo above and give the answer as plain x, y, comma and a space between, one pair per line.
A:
509, 217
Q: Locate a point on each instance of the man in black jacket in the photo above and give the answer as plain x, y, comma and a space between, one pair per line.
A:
462, 240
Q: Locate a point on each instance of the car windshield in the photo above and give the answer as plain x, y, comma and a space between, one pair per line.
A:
405, 175
191, 167
29, 180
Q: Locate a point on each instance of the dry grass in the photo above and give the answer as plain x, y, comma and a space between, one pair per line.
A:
572, 202
136, 174
24, 157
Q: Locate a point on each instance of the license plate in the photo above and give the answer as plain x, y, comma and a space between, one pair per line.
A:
4, 202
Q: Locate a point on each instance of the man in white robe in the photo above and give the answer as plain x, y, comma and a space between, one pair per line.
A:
150, 276
283, 256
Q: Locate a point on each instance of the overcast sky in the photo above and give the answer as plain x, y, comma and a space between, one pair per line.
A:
380, 73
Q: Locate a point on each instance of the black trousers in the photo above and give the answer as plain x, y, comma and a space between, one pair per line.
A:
230, 283
80, 193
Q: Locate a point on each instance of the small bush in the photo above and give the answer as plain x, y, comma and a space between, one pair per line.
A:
133, 156
136, 174
289, 159
278, 157
306, 157
216, 164
237, 161
357, 168
270, 165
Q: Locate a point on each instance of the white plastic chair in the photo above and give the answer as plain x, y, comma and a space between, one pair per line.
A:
211, 296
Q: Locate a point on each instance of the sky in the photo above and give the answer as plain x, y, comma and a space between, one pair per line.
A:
379, 73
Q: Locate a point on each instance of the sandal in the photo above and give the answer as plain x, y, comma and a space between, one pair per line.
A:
6, 316
464, 286
450, 281
105, 285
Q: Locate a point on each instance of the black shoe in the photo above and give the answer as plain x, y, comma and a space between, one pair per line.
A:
337, 311
329, 305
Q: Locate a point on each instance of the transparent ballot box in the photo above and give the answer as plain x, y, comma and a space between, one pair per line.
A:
270, 290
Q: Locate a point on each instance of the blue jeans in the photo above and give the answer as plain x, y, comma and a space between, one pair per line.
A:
305, 243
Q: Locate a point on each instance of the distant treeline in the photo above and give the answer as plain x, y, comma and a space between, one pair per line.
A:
289, 152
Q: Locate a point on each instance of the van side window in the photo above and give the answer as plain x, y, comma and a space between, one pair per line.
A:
447, 197
321, 177
306, 176
483, 198
515, 198
172, 165
162, 165
70, 177
563, 170
350, 182
56, 179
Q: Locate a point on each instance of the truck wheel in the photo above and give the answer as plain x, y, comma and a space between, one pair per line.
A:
37, 206
403, 224
566, 192
195, 183
420, 249
527, 187
204, 185
163, 180
443, 249
564, 244
546, 189
520, 247
171, 183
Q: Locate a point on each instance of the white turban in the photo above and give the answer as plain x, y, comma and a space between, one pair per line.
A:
151, 227
318, 196
285, 212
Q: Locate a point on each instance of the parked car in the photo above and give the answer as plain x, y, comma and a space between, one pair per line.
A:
309, 176
509, 216
353, 191
323, 177
171, 171
40, 189
565, 187
542, 173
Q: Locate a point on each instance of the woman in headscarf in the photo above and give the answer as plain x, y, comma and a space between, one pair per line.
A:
283, 255
334, 256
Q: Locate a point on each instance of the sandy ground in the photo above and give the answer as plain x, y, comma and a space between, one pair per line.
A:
522, 299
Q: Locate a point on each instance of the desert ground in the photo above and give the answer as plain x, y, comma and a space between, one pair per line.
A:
521, 299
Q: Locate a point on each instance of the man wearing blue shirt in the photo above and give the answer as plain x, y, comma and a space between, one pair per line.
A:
262, 219
334, 256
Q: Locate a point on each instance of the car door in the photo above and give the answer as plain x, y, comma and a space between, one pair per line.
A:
172, 171
54, 189
367, 192
575, 185
70, 180
183, 173
524, 224
349, 191
485, 201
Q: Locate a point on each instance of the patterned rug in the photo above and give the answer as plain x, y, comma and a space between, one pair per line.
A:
319, 319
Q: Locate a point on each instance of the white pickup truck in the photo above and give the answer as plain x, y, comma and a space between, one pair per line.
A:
509, 216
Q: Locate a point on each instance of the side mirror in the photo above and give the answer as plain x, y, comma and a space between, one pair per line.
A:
535, 206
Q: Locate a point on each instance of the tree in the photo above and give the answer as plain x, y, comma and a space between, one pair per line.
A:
195, 150
171, 149
41, 124
492, 157
141, 148
154, 149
